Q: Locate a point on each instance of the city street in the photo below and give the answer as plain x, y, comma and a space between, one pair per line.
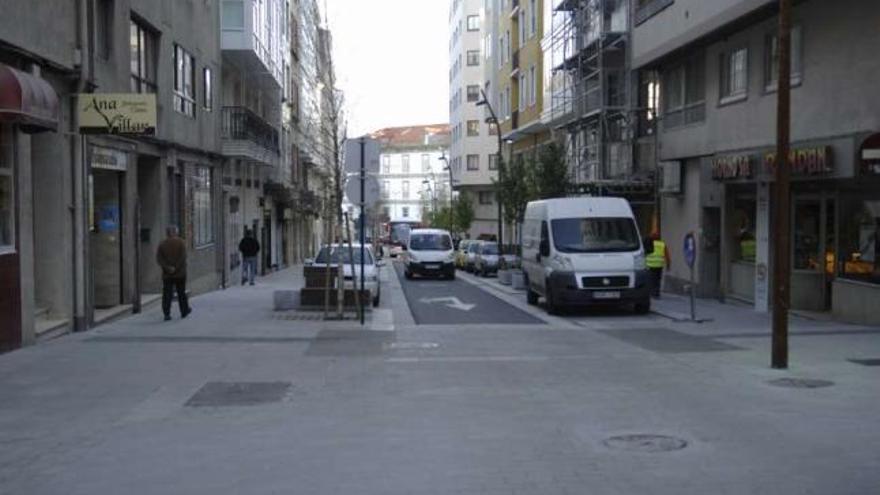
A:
238, 399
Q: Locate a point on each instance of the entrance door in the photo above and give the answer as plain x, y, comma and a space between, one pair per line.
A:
106, 238
814, 251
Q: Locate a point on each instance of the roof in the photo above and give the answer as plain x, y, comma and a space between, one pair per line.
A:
415, 136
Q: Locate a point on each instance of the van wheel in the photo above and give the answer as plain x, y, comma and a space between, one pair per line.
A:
643, 307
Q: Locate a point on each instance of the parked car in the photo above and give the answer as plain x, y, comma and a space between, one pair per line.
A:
429, 253
461, 253
584, 251
335, 253
471, 255
486, 259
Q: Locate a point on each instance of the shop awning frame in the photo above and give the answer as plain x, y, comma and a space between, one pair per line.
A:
28, 100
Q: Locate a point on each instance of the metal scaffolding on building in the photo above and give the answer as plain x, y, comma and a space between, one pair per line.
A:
591, 95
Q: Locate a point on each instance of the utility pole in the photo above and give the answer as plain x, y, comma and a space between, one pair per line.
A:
782, 224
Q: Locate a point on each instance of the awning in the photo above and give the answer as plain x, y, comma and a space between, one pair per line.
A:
27, 100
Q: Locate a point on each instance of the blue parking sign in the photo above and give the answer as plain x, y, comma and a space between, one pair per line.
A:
690, 249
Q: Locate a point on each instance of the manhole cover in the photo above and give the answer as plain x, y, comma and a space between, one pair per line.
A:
800, 383
397, 346
299, 316
645, 443
226, 394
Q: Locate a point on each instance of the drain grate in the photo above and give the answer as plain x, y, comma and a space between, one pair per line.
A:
641, 442
298, 316
229, 394
800, 383
866, 362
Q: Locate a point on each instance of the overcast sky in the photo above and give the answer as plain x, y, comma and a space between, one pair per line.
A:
391, 61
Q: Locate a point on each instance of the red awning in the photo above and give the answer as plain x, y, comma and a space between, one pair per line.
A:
27, 99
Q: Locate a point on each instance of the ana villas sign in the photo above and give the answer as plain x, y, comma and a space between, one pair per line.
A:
803, 162
104, 113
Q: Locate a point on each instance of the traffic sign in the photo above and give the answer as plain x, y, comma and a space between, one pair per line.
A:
372, 191
690, 249
372, 150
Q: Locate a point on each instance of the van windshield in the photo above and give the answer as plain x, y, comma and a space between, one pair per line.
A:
595, 235
430, 242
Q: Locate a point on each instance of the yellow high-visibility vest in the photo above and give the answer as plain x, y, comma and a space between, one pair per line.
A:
657, 259
748, 249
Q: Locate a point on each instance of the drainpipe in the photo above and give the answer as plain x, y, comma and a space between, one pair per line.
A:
78, 170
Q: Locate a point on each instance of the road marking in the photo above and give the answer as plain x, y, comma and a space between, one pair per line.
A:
451, 302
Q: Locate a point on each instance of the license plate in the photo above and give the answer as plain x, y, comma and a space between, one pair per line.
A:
432, 267
606, 295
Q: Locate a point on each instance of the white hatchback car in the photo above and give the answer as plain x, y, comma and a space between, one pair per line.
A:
372, 267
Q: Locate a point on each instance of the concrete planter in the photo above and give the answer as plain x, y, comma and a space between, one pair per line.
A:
505, 277
518, 280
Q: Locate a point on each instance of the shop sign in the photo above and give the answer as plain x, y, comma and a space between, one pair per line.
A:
129, 114
732, 167
804, 161
108, 159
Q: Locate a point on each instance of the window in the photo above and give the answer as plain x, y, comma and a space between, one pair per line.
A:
404, 165
386, 164
143, 59
485, 197
522, 28
493, 162
685, 89
426, 163
493, 129
232, 15
533, 14
405, 212
473, 162
473, 58
473, 128
201, 210
533, 86
523, 91
473, 23
184, 89
507, 102
500, 52
771, 70
734, 75
104, 28
859, 236
386, 189
7, 192
405, 189
208, 89
473, 93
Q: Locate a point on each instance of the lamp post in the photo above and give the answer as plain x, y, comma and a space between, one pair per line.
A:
493, 119
433, 199
448, 168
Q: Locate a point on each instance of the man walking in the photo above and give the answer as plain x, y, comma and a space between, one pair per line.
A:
656, 262
171, 257
249, 248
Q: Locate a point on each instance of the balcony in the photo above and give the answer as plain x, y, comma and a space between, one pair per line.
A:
243, 43
247, 136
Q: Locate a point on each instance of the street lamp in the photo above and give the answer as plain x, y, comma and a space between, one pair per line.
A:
448, 168
433, 198
493, 119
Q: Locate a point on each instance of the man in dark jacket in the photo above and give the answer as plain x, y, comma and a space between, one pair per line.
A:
171, 257
249, 248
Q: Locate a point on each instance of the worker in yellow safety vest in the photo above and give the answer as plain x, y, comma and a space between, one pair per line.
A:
656, 262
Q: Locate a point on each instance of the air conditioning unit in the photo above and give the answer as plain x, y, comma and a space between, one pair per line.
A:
670, 177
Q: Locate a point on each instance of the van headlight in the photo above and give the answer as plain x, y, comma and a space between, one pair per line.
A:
559, 262
639, 262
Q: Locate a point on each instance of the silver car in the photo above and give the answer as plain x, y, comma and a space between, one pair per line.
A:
486, 259
372, 267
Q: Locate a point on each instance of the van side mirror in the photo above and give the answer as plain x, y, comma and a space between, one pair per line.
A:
544, 249
648, 244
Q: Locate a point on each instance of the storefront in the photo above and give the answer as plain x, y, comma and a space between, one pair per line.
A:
107, 213
834, 214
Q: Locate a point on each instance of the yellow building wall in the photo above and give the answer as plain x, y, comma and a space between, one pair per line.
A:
529, 54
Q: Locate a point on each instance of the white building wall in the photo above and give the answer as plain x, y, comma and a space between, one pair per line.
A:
393, 177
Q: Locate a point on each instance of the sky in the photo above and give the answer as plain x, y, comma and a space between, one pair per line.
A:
391, 61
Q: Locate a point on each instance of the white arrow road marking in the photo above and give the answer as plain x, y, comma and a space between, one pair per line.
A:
451, 302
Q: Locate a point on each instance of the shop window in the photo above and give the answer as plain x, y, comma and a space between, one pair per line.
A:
860, 240
7, 192
201, 206
744, 215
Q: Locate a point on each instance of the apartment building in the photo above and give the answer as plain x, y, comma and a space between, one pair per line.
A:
473, 148
715, 64
412, 178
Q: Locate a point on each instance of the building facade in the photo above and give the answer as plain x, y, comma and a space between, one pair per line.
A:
716, 70
412, 178
474, 146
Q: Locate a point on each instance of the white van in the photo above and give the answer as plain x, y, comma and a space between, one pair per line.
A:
584, 251
429, 252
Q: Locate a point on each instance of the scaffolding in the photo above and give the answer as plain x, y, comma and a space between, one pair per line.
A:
590, 93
